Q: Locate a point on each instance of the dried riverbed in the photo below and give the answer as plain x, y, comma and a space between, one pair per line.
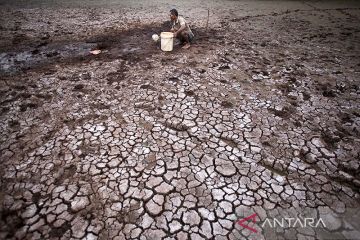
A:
134, 143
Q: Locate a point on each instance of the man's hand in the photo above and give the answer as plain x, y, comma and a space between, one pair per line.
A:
175, 34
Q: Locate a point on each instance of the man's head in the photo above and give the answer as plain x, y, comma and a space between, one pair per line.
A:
173, 14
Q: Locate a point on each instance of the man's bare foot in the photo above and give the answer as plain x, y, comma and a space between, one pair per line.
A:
186, 46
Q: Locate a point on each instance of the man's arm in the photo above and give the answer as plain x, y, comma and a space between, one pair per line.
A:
172, 28
180, 30
182, 26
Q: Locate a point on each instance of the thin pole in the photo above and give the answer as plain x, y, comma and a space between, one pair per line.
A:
207, 22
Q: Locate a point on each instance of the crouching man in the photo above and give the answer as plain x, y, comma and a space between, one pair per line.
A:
181, 29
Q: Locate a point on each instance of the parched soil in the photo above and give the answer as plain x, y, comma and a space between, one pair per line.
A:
261, 114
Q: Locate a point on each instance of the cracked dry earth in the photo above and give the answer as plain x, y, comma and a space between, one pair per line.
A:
262, 111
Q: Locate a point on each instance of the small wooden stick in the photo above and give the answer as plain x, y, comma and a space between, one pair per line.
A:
207, 22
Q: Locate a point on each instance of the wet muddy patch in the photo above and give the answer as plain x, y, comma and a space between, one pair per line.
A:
132, 46
14, 61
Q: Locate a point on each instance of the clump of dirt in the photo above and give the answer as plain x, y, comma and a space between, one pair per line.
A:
285, 88
79, 87
189, 93
36, 197
227, 104
306, 96
24, 107
147, 86
285, 112
14, 123
68, 173
329, 93
330, 139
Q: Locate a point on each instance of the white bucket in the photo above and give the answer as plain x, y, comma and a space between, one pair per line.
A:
167, 41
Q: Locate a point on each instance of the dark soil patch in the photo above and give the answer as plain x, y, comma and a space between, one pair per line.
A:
148, 86
99, 106
227, 104
132, 46
13, 222
79, 87
19, 87
306, 96
285, 112
223, 81
60, 231
189, 93
36, 197
329, 93
13, 123
346, 118
24, 107
285, 88
117, 76
229, 142
224, 67
201, 70
44, 96
330, 139
25, 95
4, 110
68, 173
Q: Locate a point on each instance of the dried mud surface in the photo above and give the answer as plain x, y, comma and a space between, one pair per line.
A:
134, 143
